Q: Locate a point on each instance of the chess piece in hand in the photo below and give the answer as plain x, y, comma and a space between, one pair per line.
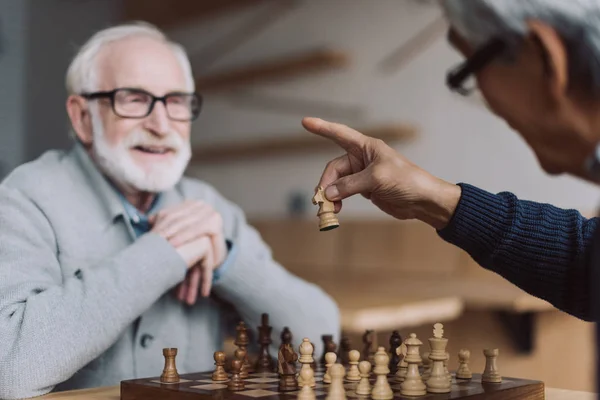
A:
376, 171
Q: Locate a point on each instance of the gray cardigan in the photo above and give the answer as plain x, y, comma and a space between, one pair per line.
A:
83, 303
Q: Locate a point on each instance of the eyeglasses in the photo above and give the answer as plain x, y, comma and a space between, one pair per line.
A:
138, 103
460, 79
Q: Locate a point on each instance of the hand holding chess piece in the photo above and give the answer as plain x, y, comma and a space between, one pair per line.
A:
327, 218
169, 374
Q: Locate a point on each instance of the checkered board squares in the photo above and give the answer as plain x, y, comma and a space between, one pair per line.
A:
174, 383
262, 380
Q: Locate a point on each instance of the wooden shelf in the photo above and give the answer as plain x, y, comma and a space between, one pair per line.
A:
307, 62
166, 15
305, 142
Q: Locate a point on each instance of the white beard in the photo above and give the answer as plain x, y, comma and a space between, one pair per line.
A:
116, 161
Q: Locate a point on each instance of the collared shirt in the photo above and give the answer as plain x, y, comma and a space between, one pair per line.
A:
140, 223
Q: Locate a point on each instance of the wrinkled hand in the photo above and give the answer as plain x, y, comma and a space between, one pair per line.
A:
376, 171
195, 229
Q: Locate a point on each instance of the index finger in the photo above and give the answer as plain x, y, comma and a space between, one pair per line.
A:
345, 137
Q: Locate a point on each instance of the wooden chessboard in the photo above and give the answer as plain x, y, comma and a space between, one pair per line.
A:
264, 386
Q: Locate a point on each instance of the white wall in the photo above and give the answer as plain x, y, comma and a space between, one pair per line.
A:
458, 141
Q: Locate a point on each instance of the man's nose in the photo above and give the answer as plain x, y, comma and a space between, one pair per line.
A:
158, 120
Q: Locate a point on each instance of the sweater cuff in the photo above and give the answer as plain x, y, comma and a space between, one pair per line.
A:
479, 221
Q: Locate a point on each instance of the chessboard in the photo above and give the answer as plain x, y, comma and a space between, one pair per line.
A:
264, 386
402, 372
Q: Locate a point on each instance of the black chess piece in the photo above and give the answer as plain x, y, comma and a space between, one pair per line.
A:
367, 353
328, 346
345, 348
264, 362
395, 342
242, 341
286, 363
236, 382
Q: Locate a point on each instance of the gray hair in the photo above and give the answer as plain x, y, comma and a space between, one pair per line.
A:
82, 75
576, 21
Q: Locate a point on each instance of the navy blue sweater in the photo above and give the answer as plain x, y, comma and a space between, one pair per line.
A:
542, 249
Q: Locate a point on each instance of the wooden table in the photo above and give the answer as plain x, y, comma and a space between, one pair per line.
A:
113, 392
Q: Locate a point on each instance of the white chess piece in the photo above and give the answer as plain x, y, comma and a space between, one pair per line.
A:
413, 384
306, 393
490, 373
364, 386
353, 372
336, 388
330, 359
426, 366
438, 380
381, 388
306, 359
463, 371
402, 364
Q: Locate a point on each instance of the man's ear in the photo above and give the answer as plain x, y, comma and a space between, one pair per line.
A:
79, 115
555, 55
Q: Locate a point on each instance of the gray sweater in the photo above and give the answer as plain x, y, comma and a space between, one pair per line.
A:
83, 303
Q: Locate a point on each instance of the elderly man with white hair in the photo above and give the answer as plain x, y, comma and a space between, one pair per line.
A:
94, 240
537, 65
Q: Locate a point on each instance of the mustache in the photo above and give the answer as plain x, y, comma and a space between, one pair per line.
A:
143, 138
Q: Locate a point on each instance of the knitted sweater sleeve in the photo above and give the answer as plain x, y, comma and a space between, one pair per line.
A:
540, 248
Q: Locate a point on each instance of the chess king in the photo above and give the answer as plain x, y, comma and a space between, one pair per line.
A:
108, 254
535, 63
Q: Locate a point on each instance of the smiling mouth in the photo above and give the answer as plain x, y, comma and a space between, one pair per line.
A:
153, 149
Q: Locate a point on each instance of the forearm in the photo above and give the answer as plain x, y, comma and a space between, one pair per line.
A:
53, 329
540, 248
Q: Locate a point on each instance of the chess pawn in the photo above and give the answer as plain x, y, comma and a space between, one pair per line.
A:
364, 386
327, 343
463, 371
426, 366
330, 359
219, 374
306, 393
490, 373
381, 388
306, 359
336, 389
402, 365
236, 383
438, 380
413, 384
353, 372
169, 374
240, 354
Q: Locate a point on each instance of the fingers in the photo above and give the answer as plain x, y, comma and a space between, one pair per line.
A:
170, 222
208, 266
194, 282
210, 224
335, 169
347, 186
342, 135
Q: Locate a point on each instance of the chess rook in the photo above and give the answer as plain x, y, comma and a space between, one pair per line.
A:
169, 374
490, 373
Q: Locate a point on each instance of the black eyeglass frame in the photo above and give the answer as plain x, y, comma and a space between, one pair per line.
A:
457, 76
110, 94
